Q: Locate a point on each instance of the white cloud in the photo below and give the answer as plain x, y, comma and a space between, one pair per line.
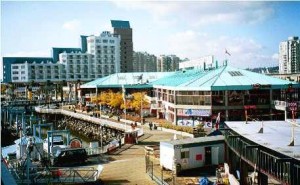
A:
72, 25
245, 52
199, 13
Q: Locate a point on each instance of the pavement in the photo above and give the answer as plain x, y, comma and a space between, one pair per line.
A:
128, 166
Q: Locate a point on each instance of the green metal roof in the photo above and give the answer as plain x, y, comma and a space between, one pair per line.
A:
129, 80
222, 78
120, 24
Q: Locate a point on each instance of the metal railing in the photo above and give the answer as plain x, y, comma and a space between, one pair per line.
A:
40, 175
158, 174
284, 169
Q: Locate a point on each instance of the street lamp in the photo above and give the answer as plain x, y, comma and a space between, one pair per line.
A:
124, 99
142, 97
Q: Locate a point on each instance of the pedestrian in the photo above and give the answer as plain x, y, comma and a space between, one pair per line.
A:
150, 125
120, 143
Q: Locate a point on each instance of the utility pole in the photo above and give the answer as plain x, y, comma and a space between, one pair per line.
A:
124, 99
142, 96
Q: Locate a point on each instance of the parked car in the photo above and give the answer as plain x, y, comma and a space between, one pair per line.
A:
70, 156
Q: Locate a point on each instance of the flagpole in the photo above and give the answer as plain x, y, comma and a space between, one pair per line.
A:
124, 99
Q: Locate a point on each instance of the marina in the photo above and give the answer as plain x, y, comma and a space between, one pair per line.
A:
32, 159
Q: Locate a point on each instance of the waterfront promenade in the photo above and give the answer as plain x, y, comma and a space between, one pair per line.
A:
128, 165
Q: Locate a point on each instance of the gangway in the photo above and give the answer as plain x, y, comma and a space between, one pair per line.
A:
54, 175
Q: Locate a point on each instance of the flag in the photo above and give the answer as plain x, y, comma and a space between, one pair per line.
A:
226, 52
123, 92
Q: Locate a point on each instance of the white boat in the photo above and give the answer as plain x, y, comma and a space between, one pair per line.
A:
58, 143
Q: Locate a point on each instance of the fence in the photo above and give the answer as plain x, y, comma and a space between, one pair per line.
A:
50, 175
157, 173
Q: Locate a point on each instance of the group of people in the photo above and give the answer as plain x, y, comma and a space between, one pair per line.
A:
152, 125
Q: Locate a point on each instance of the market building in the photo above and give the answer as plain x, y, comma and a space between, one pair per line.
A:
190, 97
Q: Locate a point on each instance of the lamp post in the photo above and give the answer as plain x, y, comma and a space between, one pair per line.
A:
142, 96
124, 99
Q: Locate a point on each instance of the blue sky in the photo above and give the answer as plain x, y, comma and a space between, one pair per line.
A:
250, 31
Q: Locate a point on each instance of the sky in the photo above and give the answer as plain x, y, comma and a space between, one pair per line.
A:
249, 30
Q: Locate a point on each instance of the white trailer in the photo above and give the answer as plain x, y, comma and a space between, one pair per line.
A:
192, 152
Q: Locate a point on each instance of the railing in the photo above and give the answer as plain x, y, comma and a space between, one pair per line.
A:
50, 175
284, 169
156, 173
103, 122
275, 166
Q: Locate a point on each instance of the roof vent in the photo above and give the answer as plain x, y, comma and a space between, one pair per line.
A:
235, 73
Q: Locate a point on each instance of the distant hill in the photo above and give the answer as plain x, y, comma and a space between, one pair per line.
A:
265, 69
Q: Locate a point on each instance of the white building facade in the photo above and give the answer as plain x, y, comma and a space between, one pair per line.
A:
289, 56
101, 59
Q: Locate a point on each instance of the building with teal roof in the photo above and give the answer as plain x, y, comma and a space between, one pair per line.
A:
190, 97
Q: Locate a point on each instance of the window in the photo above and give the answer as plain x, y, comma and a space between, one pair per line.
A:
15, 78
111, 41
185, 154
15, 72
105, 41
15, 67
22, 67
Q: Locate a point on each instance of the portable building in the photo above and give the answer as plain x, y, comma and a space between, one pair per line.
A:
192, 152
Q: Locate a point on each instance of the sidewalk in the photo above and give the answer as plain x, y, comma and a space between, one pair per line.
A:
129, 166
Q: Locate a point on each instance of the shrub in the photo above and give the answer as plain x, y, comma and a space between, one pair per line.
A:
175, 127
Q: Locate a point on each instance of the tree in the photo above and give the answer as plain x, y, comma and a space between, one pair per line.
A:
4, 87
116, 100
138, 101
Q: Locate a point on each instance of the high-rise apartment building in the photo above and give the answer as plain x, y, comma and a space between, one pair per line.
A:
123, 29
167, 63
289, 56
144, 62
98, 56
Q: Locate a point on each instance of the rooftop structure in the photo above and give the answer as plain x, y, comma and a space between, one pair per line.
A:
120, 24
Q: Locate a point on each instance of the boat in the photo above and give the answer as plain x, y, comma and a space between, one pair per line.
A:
58, 143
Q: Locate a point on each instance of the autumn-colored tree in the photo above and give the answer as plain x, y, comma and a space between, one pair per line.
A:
3, 88
138, 101
116, 100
